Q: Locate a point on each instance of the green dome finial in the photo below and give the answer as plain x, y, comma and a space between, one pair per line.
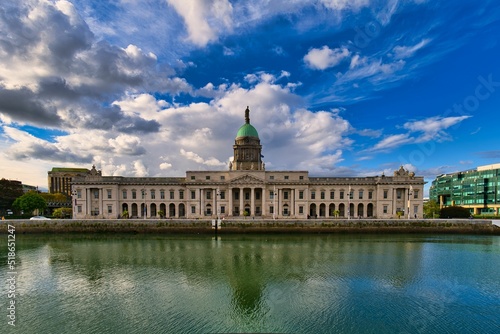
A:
247, 130
247, 115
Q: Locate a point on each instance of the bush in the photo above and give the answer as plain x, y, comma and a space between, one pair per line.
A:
454, 212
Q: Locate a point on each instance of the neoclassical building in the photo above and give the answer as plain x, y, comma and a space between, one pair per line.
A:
248, 189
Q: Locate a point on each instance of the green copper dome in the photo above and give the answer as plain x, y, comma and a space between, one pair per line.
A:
247, 130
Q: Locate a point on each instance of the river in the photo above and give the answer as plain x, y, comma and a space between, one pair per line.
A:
347, 283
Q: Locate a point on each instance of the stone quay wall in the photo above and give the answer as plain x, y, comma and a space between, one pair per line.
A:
188, 226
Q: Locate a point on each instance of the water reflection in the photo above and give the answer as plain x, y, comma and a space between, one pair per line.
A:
245, 283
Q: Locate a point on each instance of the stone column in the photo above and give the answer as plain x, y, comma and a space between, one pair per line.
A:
280, 204
394, 202
241, 200
214, 202
263, 197
202, 202
230, 194
252, 201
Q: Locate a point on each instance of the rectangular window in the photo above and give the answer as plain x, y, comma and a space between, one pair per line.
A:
209, 194
193, 194
301, 194
207, 177
322, 195
222, 195
271, 177
332, 194
109, 193
301, 209
351, 194
110, 209
341, 195
271, 209
247, 196
79, 209
415, 194
193, 209
385, 208
222, 209
193, 177
237, 195
143, 194
370, 194
222, 177
301, 177
96, 194
134, 194
415, 209
79, 194
172, 195
257, 195
181, 194
271, 194
162, 194
285, 195
313, 195
153, 194
360, 194
398, 194
286, 177
386, 193
124, 194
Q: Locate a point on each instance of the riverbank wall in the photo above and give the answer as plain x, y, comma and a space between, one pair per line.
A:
454, 226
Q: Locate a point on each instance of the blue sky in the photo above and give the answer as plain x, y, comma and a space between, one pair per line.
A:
335, 87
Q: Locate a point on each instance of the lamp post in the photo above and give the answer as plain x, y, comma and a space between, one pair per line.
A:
410, 192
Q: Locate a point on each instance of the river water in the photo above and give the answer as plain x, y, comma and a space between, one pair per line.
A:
259, 283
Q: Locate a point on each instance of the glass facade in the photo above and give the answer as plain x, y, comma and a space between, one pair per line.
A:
477, 189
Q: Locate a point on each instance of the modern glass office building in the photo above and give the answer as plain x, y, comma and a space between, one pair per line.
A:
476, 189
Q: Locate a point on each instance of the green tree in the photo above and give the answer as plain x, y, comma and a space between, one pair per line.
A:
30, 202
431, 209
9, 191
62, 213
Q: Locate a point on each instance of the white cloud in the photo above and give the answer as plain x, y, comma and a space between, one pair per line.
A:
140, 169
433, 127
321, 59
391, 142
204, 19
165, 165
402, 52
196, 158
354, 5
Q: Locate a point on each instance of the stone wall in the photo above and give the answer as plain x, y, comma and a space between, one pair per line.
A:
459, 226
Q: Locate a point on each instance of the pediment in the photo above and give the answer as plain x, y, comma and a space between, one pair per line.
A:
246, 179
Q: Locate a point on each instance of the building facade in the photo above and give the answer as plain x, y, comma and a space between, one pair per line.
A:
60, 179
476, 189
248, 189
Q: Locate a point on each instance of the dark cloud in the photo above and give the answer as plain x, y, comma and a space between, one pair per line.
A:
47, 151
23, 105
56, 87
111, 118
